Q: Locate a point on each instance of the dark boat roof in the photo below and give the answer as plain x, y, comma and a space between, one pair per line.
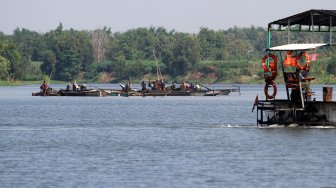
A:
311, 17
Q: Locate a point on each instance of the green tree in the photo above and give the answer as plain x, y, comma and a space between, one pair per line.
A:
33, 71
186, 54
29, 44
4, 68
331, 67
16, 68
69, 53
213, 44
49, 60
68, 65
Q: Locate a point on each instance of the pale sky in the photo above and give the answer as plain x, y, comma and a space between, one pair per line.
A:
121, 15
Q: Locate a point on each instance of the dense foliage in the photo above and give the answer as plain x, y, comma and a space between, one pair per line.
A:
91, 55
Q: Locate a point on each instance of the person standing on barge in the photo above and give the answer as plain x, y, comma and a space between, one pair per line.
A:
44, 88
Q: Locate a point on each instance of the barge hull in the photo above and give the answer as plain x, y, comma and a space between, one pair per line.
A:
283, 112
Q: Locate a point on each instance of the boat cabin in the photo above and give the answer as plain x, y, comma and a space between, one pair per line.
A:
293, 62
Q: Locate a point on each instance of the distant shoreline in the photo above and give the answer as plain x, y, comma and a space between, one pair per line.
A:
22, 83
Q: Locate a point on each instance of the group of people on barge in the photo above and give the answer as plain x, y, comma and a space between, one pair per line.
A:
160, 85
75, 87
185, 86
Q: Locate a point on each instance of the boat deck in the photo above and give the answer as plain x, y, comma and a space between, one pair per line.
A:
284, 112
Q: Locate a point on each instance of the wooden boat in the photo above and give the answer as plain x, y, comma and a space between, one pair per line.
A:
86, 93
49, 92
158, 88
186, 92
178, 92
82, 91
299, 108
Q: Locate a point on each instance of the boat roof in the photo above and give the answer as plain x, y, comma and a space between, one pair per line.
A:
297, 47
313, 17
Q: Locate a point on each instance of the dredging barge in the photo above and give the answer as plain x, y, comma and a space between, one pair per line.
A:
76, 90
299, 108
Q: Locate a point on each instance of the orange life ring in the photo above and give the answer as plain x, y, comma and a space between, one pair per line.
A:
272, 56
307, 65
270, 72
274, 89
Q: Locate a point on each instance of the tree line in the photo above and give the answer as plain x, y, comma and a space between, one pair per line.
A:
90, 55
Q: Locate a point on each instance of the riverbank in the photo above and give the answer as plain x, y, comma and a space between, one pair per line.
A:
20, 83
207, 81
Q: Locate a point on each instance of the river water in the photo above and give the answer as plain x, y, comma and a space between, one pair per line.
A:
156, 142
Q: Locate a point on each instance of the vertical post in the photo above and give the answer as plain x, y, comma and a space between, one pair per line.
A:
284, 75
330, 28
312, 21
268, 43
288, 29
257, 116
301, 93
262, 115
269, 37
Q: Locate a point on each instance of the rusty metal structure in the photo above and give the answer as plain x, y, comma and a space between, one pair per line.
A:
299, 108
